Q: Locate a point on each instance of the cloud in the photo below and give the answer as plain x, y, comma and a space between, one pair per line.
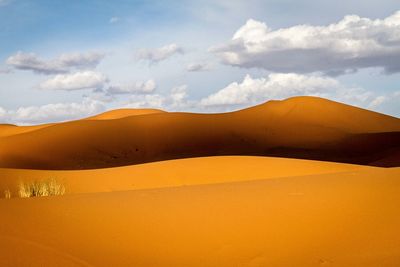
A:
75, 81
63, 64
348, 45
193, 67
146, 87
3, 113
5, 71
102, 87
114, 20
51, 112
178, 96
176, 100
146, 101
379, 100
252, 91
275, 85
155, 55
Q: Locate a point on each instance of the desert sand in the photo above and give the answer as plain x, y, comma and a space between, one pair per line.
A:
152, 188
171, 173
347, 219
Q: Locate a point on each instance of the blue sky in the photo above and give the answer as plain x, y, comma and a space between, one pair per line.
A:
62, 60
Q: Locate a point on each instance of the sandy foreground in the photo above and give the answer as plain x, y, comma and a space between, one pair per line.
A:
347, 218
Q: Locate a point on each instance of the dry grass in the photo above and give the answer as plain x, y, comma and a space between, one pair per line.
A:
50, 187
7, 193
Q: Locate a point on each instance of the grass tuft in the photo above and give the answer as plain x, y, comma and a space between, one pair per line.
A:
50, 187
7, 193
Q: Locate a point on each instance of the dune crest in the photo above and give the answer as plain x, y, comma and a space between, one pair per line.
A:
174, 173
122, 113
11, 129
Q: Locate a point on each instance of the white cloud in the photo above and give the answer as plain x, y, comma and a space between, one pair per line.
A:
348, 45
51, 112
178, 96
75, 81
146, 101
176, 100
379, 100
3, 113
275, 85
5, 71
146, 87
155, 55
63, 64
99, 95
114, 20
197, 67
252, 91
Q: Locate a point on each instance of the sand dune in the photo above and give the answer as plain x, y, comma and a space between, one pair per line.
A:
11, 129
300, 127
192, 171
342, 220
123, 113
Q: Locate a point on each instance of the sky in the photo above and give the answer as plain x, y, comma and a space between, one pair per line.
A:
64, 60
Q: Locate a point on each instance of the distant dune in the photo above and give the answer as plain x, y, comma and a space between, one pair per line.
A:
10, 129
299, 127
122, 113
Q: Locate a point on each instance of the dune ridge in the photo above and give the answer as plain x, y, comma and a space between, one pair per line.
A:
172, 173
300, 127
11, 129
123, 113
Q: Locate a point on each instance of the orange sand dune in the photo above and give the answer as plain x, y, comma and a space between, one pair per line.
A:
122, 113
300, 127
347, 219
10, 129
192, 171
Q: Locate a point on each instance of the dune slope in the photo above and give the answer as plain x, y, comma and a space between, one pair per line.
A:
341, 220
192, 171
300, 127
11, 129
